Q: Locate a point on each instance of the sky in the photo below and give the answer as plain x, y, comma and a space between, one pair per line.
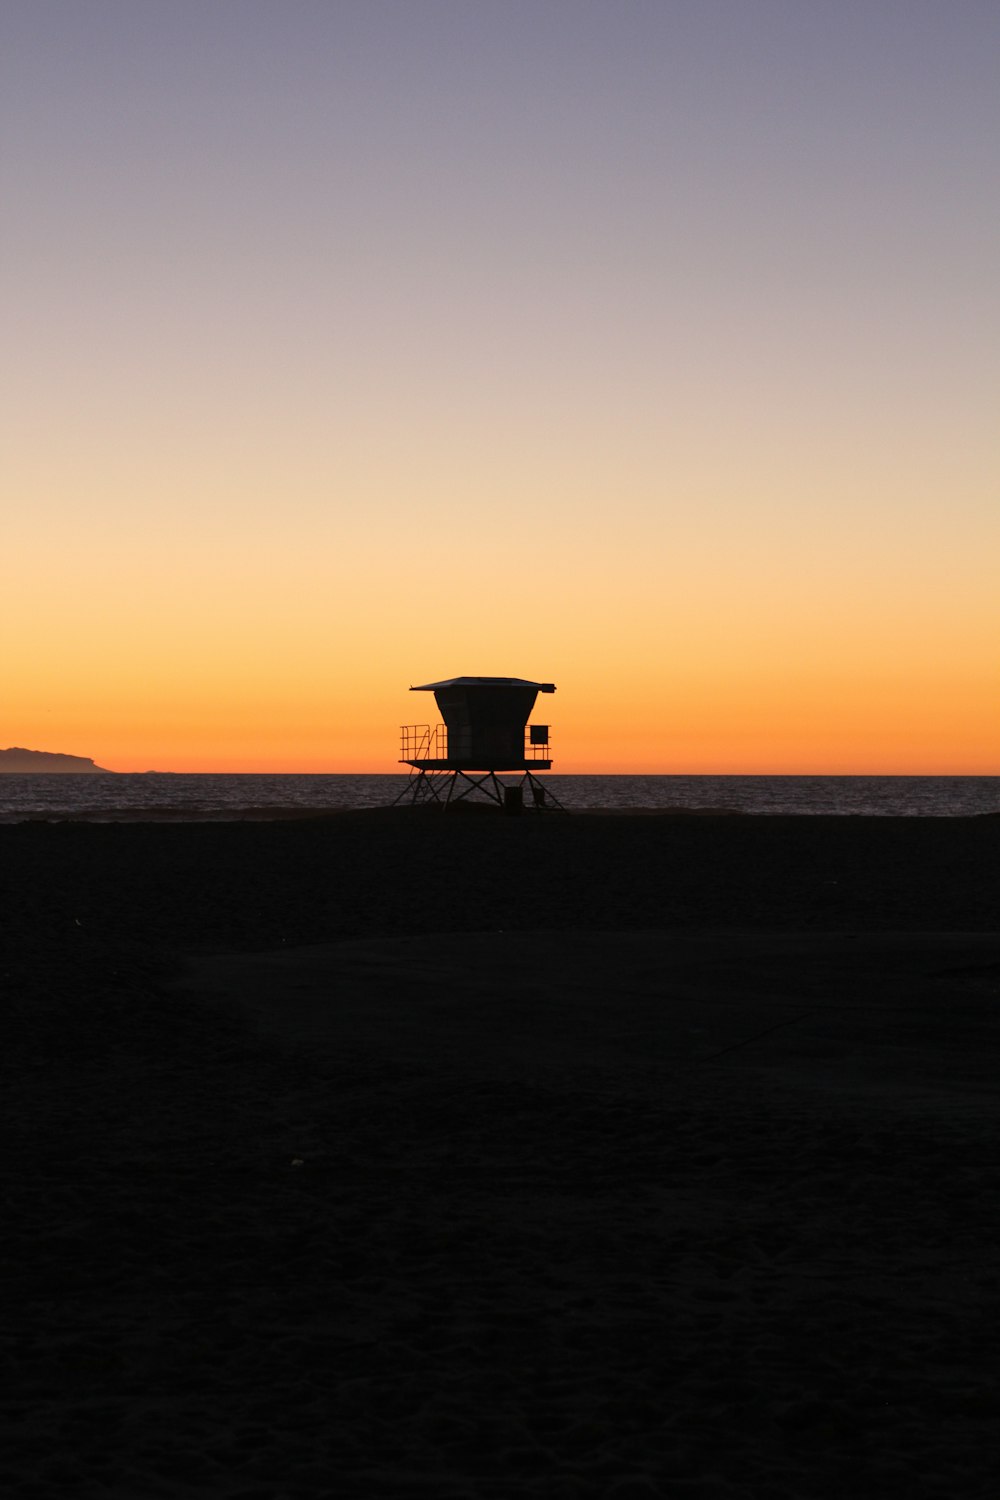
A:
647, 347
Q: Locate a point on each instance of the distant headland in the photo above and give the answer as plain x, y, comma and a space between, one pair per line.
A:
43, 762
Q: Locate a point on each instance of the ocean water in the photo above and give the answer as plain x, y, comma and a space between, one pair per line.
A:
159, 796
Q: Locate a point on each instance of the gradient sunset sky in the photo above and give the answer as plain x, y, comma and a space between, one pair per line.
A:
649, 347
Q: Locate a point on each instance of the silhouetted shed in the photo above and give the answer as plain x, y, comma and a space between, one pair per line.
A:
485, 718
485, 731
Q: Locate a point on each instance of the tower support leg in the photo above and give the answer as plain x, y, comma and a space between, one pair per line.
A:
422, 786
542, 795
447, 787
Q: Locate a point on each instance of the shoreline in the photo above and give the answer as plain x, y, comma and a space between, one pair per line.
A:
278, 814
252, 797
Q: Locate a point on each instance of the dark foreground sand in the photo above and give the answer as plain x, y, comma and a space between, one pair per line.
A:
403, 1156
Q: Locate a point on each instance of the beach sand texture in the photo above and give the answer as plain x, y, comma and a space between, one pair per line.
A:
360, 1156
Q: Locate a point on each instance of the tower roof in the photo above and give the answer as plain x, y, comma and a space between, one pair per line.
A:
485, 682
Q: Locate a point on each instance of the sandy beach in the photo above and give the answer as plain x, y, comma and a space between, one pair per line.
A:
400, 1155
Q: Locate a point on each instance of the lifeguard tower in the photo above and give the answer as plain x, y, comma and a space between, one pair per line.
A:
485, 732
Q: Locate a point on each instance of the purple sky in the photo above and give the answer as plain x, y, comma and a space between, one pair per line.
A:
699, 296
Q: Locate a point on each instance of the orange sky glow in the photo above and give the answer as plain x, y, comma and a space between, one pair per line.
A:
653, 356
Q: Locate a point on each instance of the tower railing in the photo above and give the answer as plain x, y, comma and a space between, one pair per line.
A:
430, 742
423, 742
536, 750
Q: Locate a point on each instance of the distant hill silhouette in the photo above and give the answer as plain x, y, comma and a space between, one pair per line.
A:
41, 762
